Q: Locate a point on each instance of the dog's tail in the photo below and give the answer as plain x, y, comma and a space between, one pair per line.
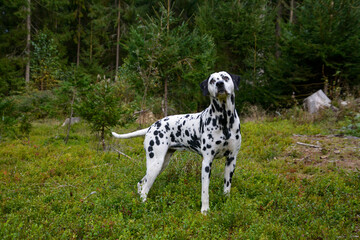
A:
138, 133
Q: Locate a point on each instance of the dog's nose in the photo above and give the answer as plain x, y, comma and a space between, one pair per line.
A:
220, 84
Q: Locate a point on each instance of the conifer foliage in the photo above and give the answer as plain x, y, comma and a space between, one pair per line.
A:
162, 49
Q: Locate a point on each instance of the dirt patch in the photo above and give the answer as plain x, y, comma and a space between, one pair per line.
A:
320, 150
145, 117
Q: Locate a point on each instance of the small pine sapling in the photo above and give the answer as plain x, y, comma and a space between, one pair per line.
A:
101, 107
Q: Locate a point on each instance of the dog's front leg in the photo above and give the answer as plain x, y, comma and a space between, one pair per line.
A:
229, 171
205, 181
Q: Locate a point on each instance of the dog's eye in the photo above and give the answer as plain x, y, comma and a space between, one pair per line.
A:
212, 81
225, 78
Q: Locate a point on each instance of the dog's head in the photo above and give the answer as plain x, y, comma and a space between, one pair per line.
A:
220, 84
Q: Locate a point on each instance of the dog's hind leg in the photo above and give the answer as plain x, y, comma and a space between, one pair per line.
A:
155, 164
167, 159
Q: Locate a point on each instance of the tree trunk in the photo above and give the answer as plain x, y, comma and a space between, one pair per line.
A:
255, 53
278, 28
291, 19
28, 39
168, 16
165, 111
166, 98
91, 41
78, 39
103, 138
118, 39
71, 115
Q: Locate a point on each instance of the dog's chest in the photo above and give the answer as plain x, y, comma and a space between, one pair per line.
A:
219, 142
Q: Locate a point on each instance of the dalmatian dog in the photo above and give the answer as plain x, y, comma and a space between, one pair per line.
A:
212, 133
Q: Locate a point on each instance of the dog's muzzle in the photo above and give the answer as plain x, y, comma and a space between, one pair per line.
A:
221, 91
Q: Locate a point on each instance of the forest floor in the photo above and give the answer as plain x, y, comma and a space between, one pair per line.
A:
292, 181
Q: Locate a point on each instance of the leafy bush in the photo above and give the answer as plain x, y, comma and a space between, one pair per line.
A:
8, 117
17, 112
352, 125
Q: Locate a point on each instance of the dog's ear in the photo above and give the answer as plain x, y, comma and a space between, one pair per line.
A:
236, 80
204, 87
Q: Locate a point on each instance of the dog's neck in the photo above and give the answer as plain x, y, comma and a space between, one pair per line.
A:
224, 112
223, 106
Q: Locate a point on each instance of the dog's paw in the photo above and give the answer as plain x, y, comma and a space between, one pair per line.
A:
205, 211
227, 192
143, 197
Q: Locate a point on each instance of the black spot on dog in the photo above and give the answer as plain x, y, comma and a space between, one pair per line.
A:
217, 106
218, 142
207, 169
158, 124
178, 133
187, 133
151, 155
214, 122
208, 146
227, 153
201, 125
225, 78
212, 152
156, 132
151, 142
187, 115
237, 137
167, 127
227, 134
229, 161
232, 98
150, 149
232, 120
227, 184
161, 135
172, 137
210, 136
157, 141
194, 143
208, 121
225, 144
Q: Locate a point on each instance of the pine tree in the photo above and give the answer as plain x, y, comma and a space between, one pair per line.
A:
162, 59
320, 49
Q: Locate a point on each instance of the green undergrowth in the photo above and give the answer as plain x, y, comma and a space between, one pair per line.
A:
75, 191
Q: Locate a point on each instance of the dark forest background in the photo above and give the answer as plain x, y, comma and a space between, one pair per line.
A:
61, 57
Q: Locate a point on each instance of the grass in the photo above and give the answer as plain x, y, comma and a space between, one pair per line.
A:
74, 191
